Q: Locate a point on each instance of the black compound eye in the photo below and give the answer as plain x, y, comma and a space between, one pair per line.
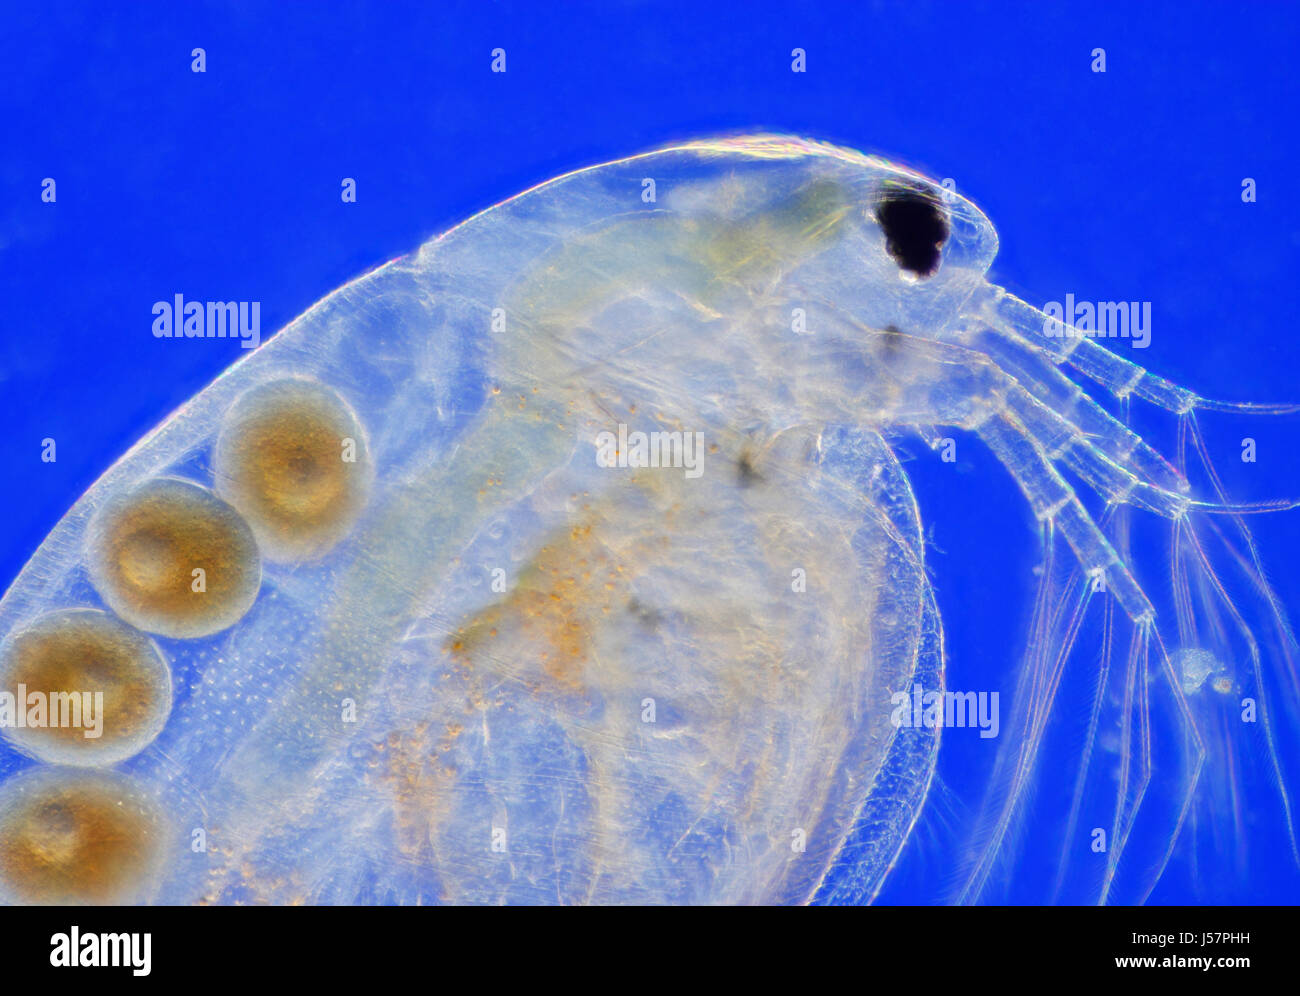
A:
915, 229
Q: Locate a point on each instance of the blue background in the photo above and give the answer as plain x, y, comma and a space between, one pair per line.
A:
225, 186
